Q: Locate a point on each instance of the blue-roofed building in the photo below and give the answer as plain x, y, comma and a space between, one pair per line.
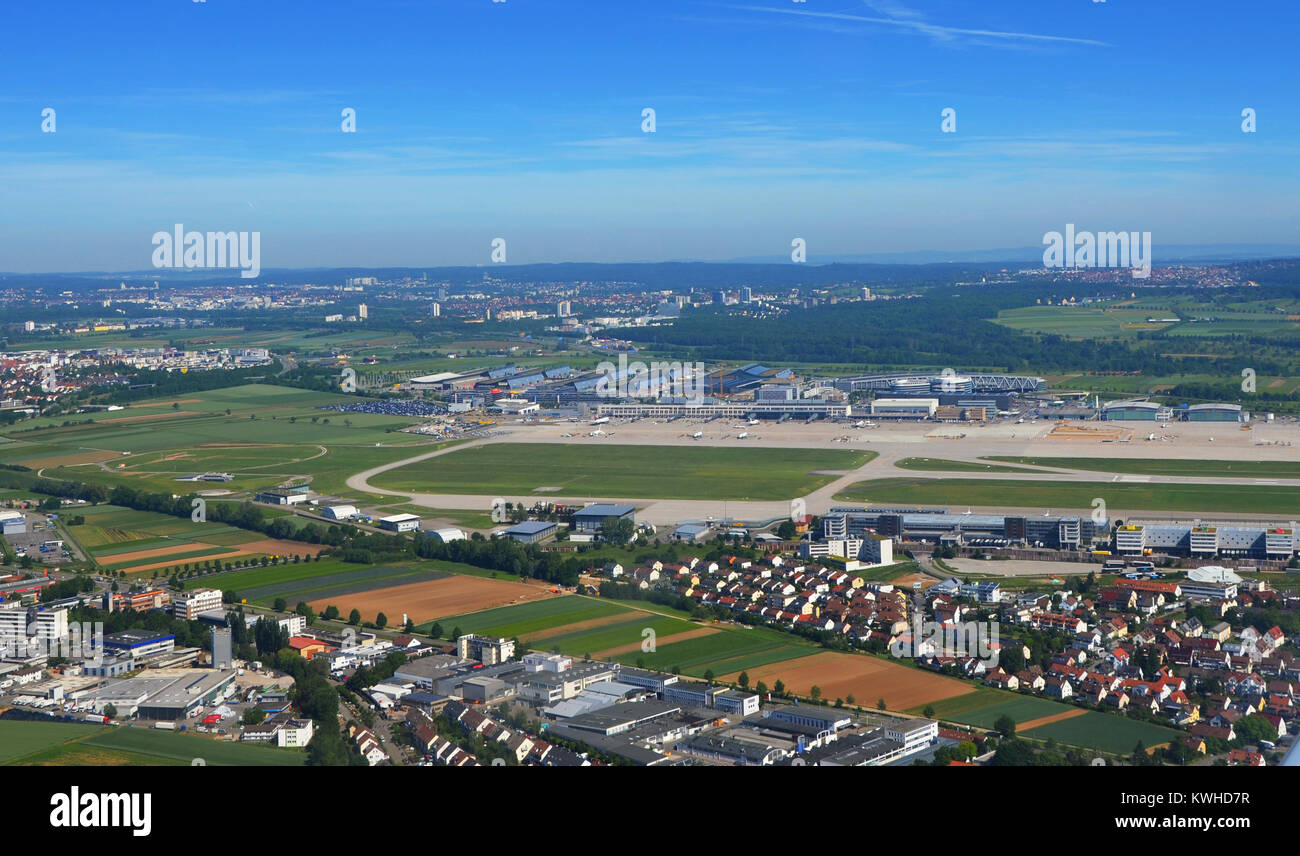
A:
589, 519
532, 531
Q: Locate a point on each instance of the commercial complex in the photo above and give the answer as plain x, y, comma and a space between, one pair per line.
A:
1053, 531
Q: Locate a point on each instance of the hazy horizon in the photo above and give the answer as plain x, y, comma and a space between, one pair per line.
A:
773, 121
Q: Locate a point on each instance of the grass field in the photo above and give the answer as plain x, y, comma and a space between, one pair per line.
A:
529, 618
759, 645
82, 755
67, 743
1245, 499
19, 738
270, 434
1107, 732
625, 471
943, 466
597, 640
171, 746
982, 708
1166, 466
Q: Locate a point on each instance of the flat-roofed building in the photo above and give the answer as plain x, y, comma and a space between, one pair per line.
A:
549, 687
135, 644
284, 496
399, 523
424, 672
824, 720
745, 753
737, 701
1203, 540
914, 734
48, 625
654, 681
186, 693
189, 605
876, 549
619, 718
1130, 539
485, 649
905, 408
872, 749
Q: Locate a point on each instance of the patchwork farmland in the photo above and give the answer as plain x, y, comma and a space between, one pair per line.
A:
632, 635
139, 542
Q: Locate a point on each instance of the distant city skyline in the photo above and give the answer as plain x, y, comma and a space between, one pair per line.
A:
772, 121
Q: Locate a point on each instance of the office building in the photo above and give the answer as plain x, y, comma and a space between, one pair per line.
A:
189, 605
484, 649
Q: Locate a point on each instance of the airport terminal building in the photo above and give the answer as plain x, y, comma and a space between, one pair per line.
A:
986, 530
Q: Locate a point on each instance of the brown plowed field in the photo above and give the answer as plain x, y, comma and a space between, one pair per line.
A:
865, 678
435, 598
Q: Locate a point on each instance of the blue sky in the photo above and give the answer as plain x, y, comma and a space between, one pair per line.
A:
775, 119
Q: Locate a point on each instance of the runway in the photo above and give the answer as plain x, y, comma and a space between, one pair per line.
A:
892, 442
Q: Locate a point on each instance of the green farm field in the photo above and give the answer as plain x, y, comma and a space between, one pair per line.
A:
531, 618
362, 578
171, 746
628, 471
630, 632
721, 651
1107, 732
983, 707
67, 743
19, 738
1244, 499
